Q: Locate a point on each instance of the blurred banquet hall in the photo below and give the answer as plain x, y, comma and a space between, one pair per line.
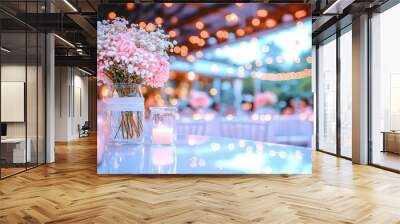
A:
238, 70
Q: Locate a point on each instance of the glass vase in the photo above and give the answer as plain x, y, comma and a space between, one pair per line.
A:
125, 113
163, 125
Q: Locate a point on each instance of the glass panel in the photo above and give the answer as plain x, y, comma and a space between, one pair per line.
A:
23, 86
346, 94
13, 87
386, 89
327, 96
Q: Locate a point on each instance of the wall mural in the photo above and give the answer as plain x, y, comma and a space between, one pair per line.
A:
204, 88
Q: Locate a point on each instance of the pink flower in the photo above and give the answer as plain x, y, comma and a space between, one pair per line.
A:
264, 99
159, 70
199, 100
140, 54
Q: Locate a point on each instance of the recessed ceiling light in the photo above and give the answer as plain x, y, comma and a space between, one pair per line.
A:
84, 71
64, 40
70, 5
5, 50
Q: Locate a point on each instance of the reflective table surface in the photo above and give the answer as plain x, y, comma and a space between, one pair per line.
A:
204, 155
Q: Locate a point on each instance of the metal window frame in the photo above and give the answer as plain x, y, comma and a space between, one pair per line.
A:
387, 5
339, 32
381, 9
44, 74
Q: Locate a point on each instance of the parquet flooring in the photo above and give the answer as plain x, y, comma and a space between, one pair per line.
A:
70, 191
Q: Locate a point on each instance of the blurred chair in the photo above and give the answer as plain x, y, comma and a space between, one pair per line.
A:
84, 129
191, 127
290, 131
250, 130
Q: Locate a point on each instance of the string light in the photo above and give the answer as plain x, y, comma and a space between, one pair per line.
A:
173, 101
142, 25
262, 13
193, 39
169, 90
177, 49
270, 23
184, 51
191, 76
130, 6
284, 76
199, 25
213, 91
231, 18
158, 20
222, 34
300, 14
172, 33
204, 34
150, 27
201, 42
111, 15
240, 32
255, 22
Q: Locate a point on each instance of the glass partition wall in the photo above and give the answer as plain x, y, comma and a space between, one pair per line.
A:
345, 92
22, 77
385, 89
334, 94
327, 95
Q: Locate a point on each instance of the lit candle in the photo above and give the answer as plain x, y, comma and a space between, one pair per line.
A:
162, 135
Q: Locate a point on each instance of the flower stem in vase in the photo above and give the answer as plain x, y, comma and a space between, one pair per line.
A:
130, 125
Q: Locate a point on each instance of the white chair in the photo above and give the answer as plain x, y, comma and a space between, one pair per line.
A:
191, 127
244, 129
290, 131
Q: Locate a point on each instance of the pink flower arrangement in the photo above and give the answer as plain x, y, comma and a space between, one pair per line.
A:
130, 54
199, 99
265, 99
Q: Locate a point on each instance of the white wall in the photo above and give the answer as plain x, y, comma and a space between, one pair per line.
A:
71, 102
33, 127
16, 73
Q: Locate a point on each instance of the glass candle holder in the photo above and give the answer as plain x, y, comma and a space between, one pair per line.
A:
163, 125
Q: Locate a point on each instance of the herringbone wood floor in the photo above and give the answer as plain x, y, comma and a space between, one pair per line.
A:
70, 191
